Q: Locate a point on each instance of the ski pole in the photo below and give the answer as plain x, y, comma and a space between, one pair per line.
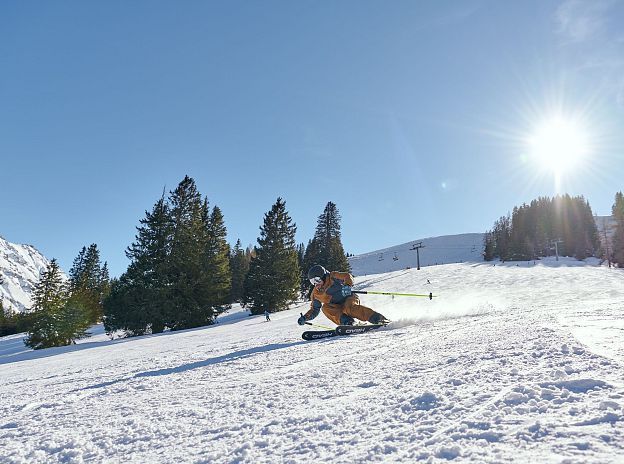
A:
430, 295
317, 325
320, 326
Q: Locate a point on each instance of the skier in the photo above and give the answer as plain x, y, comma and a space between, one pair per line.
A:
332, 294
266, 314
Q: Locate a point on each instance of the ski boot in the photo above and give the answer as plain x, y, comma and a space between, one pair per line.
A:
346, 320
378, 319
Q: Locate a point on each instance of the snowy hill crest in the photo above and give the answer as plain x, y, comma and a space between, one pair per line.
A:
446, 249
20, 268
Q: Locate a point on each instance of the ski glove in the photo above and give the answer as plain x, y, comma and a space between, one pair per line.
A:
301, 320
346, 290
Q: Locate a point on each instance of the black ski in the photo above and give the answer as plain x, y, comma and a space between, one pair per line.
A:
356, 329
340, 330
316, 334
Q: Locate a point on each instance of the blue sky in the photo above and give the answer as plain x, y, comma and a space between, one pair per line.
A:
415, 118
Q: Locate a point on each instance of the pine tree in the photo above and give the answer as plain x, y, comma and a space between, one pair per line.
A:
618, 235
217, 264
74, 320
502, 237
239, 265
77, 269
250, 253
137, 301
304, 283
272, 282
587, 239
325, 248
105, 285
488, 246
179, 274
49, 298
543, 220
190, 296
8, 321
89, 282
327, 241
54, 320
125, 308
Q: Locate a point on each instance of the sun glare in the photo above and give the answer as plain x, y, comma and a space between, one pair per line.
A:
559, 144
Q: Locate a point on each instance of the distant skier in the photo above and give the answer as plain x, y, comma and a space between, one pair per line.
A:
332, 294
266, 314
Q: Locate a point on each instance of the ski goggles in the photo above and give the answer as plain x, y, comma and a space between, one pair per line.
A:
316, 280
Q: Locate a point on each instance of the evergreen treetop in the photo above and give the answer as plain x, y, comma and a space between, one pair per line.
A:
326, 248
239, 265
272, 282
89, 281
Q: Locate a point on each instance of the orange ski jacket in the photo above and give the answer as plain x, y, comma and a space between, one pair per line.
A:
329, 292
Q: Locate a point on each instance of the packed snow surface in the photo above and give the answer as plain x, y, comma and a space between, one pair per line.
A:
508, 363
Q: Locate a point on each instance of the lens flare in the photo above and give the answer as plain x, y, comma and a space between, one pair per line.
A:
559, 144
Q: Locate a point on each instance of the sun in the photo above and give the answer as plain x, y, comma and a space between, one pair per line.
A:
559, 144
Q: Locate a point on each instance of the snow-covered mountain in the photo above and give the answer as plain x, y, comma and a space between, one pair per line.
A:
20, 268
447, 249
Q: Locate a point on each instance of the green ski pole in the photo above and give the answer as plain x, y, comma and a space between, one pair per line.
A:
317, 325
365, 292
320, 326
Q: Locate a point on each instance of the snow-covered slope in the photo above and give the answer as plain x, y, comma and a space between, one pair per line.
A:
510, 363
436, 250
20, 268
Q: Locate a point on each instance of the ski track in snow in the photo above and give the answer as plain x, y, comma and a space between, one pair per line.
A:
507, 364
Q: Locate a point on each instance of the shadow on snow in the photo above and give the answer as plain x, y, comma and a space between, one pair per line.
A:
12, 348
229, 357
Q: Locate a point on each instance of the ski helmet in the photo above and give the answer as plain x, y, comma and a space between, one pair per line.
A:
317, 271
